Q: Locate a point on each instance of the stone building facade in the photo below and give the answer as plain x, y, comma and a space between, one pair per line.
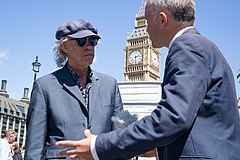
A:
13, 113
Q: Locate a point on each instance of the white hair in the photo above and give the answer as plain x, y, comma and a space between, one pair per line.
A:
60, 56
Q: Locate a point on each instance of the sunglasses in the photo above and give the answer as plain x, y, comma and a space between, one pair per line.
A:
93, 41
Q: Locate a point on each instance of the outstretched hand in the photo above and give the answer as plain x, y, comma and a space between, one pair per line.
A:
81, 149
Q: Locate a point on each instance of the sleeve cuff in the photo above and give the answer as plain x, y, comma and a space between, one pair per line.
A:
93, 149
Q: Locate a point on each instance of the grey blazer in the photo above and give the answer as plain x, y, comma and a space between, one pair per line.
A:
197, 117
58, 111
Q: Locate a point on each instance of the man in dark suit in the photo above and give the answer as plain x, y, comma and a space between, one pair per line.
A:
74, 98
197, 117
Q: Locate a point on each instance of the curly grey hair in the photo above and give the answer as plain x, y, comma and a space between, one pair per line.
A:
59, 55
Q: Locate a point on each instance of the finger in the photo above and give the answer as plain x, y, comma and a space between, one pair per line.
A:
67, 153
74, 157
67, 143
72, 152
87, 133
62, 154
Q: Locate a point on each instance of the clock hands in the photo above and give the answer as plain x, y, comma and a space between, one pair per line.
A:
135, 57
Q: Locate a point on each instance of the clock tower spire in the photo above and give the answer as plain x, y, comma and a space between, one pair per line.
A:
141, 60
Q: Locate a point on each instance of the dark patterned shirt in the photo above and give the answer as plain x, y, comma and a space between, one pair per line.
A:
76, 78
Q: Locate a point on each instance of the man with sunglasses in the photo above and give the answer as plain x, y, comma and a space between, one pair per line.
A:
74, 98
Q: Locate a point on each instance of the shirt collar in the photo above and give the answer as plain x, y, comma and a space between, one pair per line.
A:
179, 33
77, 78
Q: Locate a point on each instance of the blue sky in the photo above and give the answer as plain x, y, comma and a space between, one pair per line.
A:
28, 28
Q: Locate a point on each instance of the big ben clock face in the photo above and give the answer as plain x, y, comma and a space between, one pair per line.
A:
135, 57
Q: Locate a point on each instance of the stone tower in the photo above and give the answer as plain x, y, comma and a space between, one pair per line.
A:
141, 60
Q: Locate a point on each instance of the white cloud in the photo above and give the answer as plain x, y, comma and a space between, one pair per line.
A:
3, 56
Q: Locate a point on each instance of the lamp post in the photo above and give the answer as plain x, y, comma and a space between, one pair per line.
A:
36, 66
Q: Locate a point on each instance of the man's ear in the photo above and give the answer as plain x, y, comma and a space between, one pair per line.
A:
163, 18
64, 47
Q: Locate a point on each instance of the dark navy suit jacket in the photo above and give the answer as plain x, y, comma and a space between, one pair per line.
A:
197, 117
58, 111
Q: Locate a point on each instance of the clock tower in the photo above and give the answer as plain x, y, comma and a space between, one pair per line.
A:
141, 60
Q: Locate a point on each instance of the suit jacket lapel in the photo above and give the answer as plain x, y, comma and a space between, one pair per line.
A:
71, 87
93, 94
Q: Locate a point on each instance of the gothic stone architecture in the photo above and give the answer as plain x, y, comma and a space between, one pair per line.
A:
141, 60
